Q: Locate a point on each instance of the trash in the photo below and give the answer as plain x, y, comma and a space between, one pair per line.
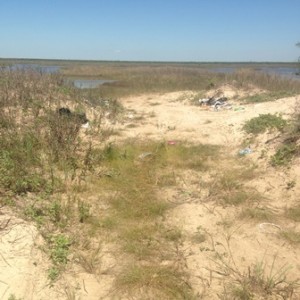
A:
171, 142
245, 151
145, 155
86, 125
65, 112
269, 227
216, 103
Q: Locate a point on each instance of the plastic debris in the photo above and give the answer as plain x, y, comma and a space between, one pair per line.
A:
216, 103
171, 142
245, 151
145, 155
86, 125
269, 227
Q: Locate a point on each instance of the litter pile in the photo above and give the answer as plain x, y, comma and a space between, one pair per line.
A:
216, 103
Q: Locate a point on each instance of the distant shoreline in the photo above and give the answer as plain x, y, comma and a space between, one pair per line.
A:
206, 63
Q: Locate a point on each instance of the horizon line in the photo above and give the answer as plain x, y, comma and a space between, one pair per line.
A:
146, 61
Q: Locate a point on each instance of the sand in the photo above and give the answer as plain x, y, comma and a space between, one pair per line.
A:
171, 117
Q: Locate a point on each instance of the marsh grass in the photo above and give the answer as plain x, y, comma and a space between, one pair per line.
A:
137, 78
275, 86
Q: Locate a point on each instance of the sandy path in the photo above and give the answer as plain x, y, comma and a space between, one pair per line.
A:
168, 117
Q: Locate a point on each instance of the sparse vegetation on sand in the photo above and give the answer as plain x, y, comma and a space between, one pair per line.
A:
122, 213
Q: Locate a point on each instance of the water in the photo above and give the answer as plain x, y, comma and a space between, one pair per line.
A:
35, 67
288, 72
78, 83
88, 83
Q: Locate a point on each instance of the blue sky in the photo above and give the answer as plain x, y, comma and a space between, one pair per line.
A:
151, 30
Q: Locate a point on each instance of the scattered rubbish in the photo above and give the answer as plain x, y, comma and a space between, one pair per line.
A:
245, 151
145, 155
78, 117
86, 125
171, 142
216, 103
130, 116
269, 227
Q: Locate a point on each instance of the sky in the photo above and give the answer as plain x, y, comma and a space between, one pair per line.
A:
151, 30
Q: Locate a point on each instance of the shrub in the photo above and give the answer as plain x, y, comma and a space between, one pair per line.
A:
264, 122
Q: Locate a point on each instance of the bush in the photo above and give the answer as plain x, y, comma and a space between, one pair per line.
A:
264, 122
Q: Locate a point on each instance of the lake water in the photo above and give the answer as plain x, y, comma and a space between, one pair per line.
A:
36, 67
88, 83
288, 72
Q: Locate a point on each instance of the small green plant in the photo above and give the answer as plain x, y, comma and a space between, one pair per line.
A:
284, 155
60, 245
53, 273
55, 211
264, 122
84, 211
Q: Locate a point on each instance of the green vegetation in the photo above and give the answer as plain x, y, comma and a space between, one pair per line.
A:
293, 213
87, 193
264, 122
265, 97
284, 155
163, 282
291, 236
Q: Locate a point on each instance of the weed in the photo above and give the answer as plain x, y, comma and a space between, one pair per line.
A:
293, 213
259, 280
59, 249
53, 273
284, 155
257, 213
160, 281
263, 122
291, 236
84, 211
55, 211
291, 184
229, 189
13, 297
200, 236
90, 261
173, 235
